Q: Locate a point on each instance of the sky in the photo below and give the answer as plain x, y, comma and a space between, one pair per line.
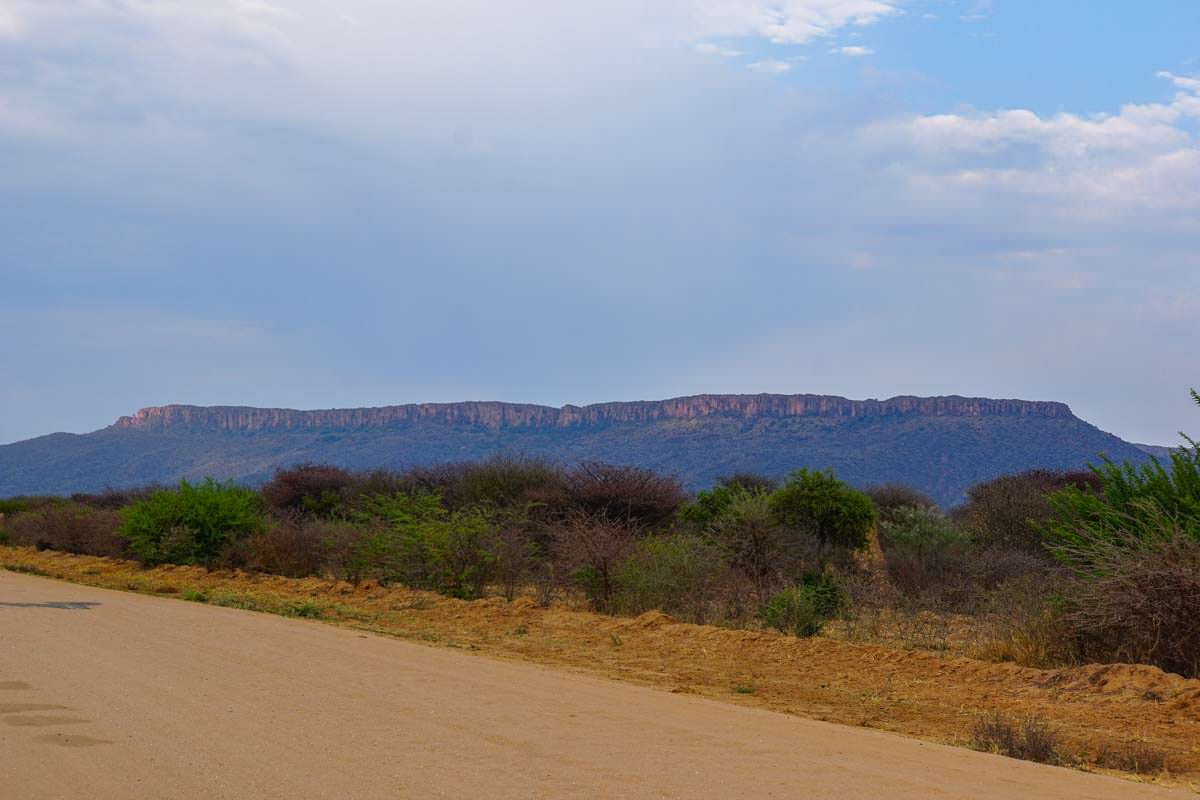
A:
334, 203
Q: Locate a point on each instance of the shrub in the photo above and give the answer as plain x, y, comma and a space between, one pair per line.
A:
1028, 738
748, 481
1013, 511
424, 545
709, 505
674, 573
520, 549
193, 523
1136, 591
316, 489
753, 542
1132, 506
70, 528
803, 609
820, 505
893, 497
1023, 622
1132, 501
923, 550
590, 550
295, 547
502, 481
115, 499
631, 495
1139, 758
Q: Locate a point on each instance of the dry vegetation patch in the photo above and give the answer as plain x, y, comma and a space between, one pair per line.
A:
1120, 717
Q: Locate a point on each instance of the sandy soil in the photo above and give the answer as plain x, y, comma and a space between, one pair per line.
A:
109, 694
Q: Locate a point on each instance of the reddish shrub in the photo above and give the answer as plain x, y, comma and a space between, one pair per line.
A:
631, 495
1013, 511
315, 489
71, 528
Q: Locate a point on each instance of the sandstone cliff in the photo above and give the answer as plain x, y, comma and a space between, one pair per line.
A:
502, 416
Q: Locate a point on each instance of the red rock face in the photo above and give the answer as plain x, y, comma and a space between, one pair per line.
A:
496, 416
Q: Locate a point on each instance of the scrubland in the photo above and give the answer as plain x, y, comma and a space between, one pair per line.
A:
1054, 616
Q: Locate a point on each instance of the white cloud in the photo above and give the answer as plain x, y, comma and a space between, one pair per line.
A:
770, 67
710, 49
978, 12
10, 23
786, 21
1143, 159
853, 51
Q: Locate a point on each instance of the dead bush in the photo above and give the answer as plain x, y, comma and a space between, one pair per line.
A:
588, 551
115, 499
631, 495
1136, 597
749, 482
1027, 738
1012, 512
315, 489
890, 497
502, 481
1139, 758
70, 528
1022, 621
294, 547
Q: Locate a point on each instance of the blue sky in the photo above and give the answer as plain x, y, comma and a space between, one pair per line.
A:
309, 203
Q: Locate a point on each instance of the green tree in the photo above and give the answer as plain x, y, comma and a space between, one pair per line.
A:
820, 505
1132, 501
192, 523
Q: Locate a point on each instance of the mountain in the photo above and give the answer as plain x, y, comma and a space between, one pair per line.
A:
941, 445
1159, 451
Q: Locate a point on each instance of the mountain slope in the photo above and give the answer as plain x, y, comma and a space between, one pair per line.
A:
941, 445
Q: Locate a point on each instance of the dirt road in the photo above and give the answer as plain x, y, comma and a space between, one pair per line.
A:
105, 694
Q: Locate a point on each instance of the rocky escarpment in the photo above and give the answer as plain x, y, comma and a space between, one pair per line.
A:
940, 445
502, 416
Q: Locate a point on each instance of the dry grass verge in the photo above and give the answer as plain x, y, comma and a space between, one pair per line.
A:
1119, 717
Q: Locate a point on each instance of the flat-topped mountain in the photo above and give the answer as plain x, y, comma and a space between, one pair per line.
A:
942, 445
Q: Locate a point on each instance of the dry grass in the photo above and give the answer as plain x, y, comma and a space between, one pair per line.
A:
1118, 717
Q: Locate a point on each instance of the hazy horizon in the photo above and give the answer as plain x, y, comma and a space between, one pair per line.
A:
290, 203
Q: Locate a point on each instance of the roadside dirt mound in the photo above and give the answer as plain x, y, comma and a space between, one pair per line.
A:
917, 693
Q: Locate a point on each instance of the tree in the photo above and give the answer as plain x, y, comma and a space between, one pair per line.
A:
1132, 500
819, 504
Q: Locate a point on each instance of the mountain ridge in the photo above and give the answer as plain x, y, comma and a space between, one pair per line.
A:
497, 415
940, 445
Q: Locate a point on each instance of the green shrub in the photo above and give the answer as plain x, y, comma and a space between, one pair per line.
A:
14, 505
423, 545
819, 504
803, 609
923, 549
193, 523
709, 505
753, 542
1131, 505
1134, 549
674, 573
